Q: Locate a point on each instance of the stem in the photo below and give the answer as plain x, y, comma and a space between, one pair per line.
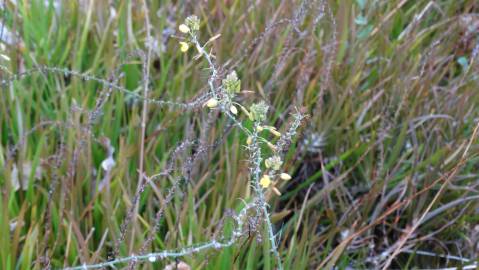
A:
255, 155
146, 76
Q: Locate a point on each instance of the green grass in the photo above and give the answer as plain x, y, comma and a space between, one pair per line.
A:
389, 86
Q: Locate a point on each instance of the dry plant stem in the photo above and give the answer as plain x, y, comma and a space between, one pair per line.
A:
207, 56
213, 244
258, 202
146, 76
418, 222
255, 156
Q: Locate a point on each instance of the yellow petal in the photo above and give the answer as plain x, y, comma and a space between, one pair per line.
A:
184, 46
249, 141
184, 28
265, 181
285, 176
259, 128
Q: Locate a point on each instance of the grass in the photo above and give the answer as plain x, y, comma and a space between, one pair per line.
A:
387, 154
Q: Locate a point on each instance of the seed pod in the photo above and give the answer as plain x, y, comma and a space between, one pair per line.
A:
275, 133
275, 190
272, 147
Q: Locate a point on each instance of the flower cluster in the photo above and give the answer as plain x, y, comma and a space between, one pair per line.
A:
273, 163
191, 26
230, 86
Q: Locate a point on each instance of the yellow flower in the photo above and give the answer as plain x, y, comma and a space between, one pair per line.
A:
184, 46
184, 28
265, 181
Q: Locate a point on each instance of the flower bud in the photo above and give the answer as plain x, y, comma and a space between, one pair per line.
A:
273, 162
275, 133
211, 103
184, 28
285, 176
231, 84
233, 110
258, 111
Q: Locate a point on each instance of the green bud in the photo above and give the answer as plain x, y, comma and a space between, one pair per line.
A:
273, 162
258, 111
193, 23
231, 83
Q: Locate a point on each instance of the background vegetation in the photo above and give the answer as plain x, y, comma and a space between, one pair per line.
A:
384, 169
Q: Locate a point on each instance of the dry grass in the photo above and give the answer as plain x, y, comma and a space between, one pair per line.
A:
383, 168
